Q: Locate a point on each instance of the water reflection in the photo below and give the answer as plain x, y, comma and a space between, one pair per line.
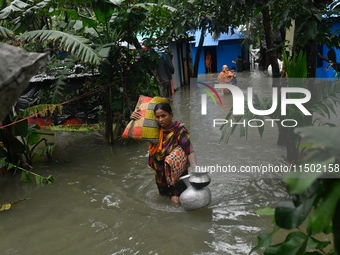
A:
104, 199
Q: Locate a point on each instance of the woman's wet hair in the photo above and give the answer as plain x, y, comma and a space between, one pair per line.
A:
163, 106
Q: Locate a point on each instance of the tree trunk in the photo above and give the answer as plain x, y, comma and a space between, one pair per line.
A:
282, 136
270, 43
292, 144
271, 54
8, 140
263, 60
199, 50
109, 117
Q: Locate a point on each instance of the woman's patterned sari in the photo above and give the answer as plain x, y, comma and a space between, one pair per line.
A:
178, 135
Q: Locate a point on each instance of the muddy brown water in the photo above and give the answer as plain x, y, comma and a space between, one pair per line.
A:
104, 199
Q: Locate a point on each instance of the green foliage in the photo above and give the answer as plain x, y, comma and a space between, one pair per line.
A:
5, 33
40, 110
264, 239
309, 17
74, 44
75, 128
26, 176
314, 185
30, 138
59, 91
326, 98
14, 6
23, 141
93, 33
296, 67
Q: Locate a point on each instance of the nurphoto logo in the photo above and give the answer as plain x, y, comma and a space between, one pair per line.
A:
239, 102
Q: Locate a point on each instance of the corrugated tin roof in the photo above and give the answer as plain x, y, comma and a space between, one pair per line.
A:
210, 41
78, 71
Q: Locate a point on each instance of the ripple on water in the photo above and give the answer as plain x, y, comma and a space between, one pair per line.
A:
111, 200
157, 202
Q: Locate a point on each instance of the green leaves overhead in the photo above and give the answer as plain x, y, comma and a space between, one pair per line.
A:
15, 6
6, 33
74, 44
103, 11
116, 2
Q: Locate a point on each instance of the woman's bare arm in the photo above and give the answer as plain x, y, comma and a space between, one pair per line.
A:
135, 115
192, 159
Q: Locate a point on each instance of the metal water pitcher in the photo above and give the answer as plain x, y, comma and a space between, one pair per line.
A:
197, 194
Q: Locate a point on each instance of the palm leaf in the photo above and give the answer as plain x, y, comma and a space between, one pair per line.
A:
73, 44
14, 6
327, 97
296, 67
40, 110
6, 33
37, 6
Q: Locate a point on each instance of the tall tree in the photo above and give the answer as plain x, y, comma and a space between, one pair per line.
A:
94, 33
214, 17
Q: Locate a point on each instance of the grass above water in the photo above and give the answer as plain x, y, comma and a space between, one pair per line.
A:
76, 128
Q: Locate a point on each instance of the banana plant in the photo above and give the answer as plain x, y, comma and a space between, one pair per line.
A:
92, 32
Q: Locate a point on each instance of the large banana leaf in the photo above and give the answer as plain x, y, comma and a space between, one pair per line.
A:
14, 6
5, 32
73, 44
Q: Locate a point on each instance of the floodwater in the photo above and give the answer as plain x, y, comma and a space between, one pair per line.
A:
104, 199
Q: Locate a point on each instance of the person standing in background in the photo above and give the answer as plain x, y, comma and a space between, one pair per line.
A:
240, 64
234, 80
165, 70
208, 62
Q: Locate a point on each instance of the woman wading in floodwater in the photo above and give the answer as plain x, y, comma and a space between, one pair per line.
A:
172, 155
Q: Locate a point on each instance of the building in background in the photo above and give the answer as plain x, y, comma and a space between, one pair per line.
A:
224, 50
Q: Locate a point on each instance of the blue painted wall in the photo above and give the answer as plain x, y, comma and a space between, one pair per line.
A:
226, 51
321, 71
